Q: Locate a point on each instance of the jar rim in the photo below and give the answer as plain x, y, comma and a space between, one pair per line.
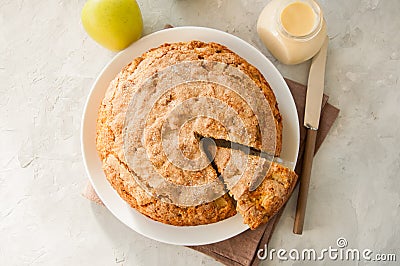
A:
317, 25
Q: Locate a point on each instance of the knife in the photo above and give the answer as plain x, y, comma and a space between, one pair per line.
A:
315, 89
208, 142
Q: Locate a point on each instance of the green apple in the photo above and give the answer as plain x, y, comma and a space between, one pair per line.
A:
114, 24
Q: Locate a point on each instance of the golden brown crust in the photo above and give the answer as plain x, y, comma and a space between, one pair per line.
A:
258, 206
110, 123
120, 179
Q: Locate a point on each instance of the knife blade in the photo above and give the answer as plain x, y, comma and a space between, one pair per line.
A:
315, 89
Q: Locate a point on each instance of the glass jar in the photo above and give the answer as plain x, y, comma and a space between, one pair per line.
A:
292, 30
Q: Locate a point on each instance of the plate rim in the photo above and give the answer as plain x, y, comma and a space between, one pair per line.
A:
192, 30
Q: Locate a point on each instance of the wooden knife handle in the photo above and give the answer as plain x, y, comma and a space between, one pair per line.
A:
305, 181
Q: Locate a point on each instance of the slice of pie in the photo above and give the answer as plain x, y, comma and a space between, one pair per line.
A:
259, 205
260, 188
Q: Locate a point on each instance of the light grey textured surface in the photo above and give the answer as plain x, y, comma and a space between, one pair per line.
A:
48, 63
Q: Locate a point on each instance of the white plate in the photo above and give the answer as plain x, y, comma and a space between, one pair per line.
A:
185, 235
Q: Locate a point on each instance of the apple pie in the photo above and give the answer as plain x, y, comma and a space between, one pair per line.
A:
153, 108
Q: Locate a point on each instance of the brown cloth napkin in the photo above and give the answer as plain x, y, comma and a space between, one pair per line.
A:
242, 249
